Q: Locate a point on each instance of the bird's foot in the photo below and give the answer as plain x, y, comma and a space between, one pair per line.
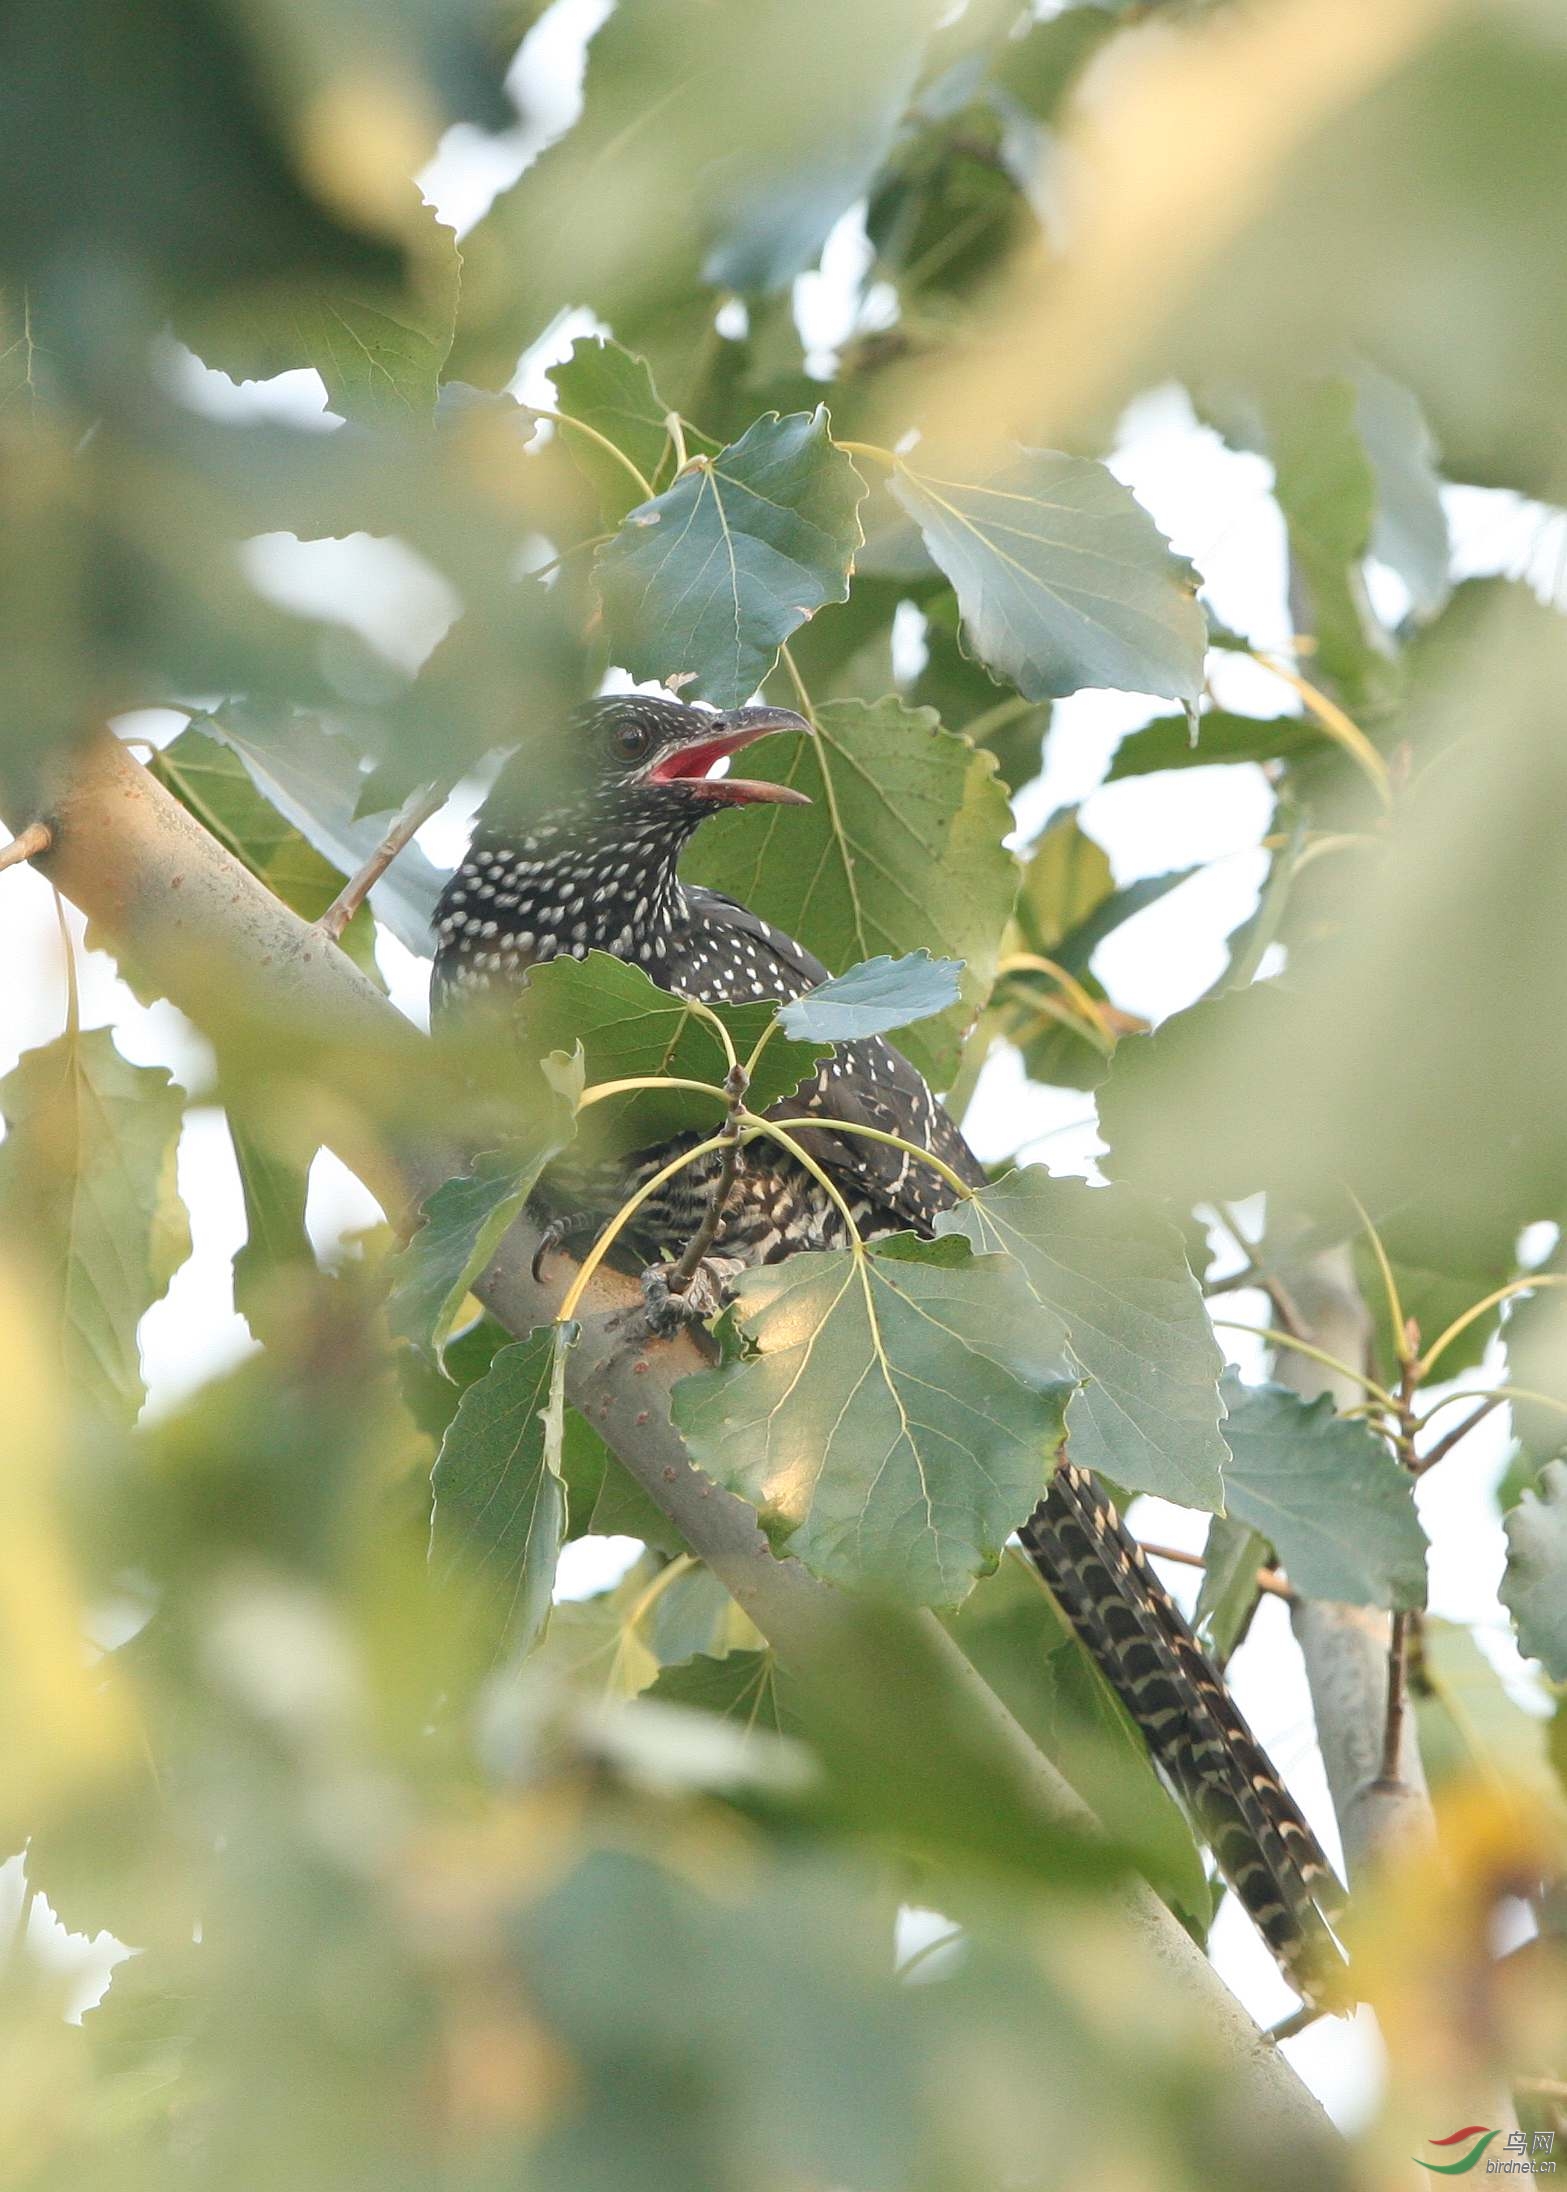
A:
670, 1309
556, 1234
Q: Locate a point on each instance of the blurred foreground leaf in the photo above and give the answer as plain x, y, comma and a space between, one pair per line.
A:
87, 1187
1534, 1589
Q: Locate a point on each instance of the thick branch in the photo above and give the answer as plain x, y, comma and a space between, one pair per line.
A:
135, 862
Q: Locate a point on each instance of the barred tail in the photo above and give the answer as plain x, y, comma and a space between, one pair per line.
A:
1142, 1644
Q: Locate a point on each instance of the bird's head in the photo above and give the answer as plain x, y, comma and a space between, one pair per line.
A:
641, 757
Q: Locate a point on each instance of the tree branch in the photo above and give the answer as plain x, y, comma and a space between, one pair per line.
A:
1346, 1648
135, 862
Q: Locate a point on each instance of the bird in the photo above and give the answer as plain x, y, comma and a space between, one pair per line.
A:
589, 861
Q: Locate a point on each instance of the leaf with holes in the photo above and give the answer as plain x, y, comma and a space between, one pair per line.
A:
88, 1199
500, 1500
1534, 1590
1326, 1494
1111, 1276
873, 999
630, 1029
707, 580
891, 1416
1063, 579
466, 1217
901, 848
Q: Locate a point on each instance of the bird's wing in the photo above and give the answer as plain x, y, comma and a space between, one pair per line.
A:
865, 1083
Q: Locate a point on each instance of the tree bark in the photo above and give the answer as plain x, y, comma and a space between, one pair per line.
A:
136, 863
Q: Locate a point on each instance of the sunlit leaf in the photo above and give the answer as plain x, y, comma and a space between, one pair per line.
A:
1534, 1589
1110, 1277
87, 1186
1327, 1494
900, 850
1063, 579
892, 1417
709, 579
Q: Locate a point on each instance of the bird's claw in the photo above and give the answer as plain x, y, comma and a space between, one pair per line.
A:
555, 1235
670, 1309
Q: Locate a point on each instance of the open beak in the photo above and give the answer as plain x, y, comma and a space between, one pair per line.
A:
740, 727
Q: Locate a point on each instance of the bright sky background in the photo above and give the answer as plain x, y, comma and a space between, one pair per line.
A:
1215, 507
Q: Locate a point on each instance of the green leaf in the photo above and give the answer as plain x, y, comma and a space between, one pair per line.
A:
276, 1243
892, 1417
716, 146
964, 695
1221, 737
1327, 491
88, 1195
901, 848
1063, 579
1409, 532
629, 1028
602, 384
873, 998
466, 1217
1010, 1629
744, 1686
1471, 1729
1327, 1494
1229, 1592
1534, 1589
500, 1502
311, 775
705, 582
210, 781
379, 351
1111, 1281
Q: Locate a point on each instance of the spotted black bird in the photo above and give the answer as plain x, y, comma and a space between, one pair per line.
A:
596, 868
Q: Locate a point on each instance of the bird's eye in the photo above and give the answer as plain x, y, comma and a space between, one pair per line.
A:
633, 740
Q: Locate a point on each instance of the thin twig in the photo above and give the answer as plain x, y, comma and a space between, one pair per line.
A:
1277, 1292
1268, 1579
35, 839
736, 1083
356, 890
1461, 1430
